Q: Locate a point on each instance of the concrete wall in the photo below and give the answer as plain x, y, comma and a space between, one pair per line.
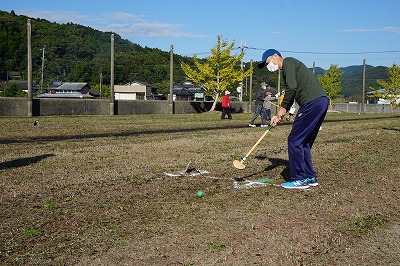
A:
47, 107
141, 107
179, 107
368, 108
13, 106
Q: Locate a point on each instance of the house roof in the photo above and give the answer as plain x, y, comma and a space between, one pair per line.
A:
71, 86
135, 87
380, 91
94, 92
146, 84
23, 84
64, 95
70, 90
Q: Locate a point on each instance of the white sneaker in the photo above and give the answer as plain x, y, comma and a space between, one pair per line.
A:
263, 125
252, 125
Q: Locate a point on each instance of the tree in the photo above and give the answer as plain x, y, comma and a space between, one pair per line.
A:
220, 71
330, 81
105, 90
14, 91
389, 90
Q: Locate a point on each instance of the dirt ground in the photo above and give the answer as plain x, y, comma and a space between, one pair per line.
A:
114, 191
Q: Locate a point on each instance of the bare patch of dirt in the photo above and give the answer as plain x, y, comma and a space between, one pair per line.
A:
94, 191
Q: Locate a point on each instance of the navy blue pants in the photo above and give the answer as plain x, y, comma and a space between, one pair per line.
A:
267, 114
301, 139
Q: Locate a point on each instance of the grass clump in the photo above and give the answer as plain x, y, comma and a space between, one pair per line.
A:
216, 245
48, 204
31, 232
366, 225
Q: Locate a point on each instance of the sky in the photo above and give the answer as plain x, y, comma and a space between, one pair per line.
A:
319, 32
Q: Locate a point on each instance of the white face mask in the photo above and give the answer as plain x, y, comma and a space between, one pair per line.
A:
272, 67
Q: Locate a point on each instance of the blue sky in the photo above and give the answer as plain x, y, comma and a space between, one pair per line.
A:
325, 32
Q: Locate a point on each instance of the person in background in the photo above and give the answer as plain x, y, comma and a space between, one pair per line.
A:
277, 95
280, 99
226, 106
259, 108
304, 88
268, 105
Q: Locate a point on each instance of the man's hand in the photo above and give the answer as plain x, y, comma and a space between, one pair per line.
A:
278, 117
275, 120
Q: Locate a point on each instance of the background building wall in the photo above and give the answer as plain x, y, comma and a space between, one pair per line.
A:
18, 107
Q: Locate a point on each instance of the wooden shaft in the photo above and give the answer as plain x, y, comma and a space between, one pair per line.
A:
258, 142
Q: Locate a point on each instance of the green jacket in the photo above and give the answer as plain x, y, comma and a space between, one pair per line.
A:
301, 84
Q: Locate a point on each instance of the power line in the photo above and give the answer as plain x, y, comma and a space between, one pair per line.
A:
332, 53
344, 53
307, 52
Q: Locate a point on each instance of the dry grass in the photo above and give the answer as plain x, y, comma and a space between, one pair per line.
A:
93, 191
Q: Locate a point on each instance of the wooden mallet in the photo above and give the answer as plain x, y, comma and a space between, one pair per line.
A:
239, 164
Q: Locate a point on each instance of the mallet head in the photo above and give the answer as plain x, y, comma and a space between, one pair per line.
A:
239, 164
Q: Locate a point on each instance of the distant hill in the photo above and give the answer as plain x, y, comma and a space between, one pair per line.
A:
319, 71
352, 80
78, 53
354, 70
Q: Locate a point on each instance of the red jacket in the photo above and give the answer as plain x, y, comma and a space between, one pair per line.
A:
226, 101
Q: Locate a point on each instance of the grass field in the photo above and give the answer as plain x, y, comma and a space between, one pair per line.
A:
102, 191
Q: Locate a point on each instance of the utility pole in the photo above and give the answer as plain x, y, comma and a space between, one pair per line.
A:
29, 37
245, 92
363, 90
251, 85
112, 77
101, 82
171, 80
313, 68
242, 48
41, 80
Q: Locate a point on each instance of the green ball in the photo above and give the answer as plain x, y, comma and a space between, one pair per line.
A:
199, 193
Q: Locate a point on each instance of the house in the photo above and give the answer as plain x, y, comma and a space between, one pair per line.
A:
375, 100
69, 90
186, 91
137, 91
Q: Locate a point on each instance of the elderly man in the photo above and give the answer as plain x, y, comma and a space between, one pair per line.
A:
304, 88
259, 108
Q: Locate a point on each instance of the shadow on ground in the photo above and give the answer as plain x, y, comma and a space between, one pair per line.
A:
23, 161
